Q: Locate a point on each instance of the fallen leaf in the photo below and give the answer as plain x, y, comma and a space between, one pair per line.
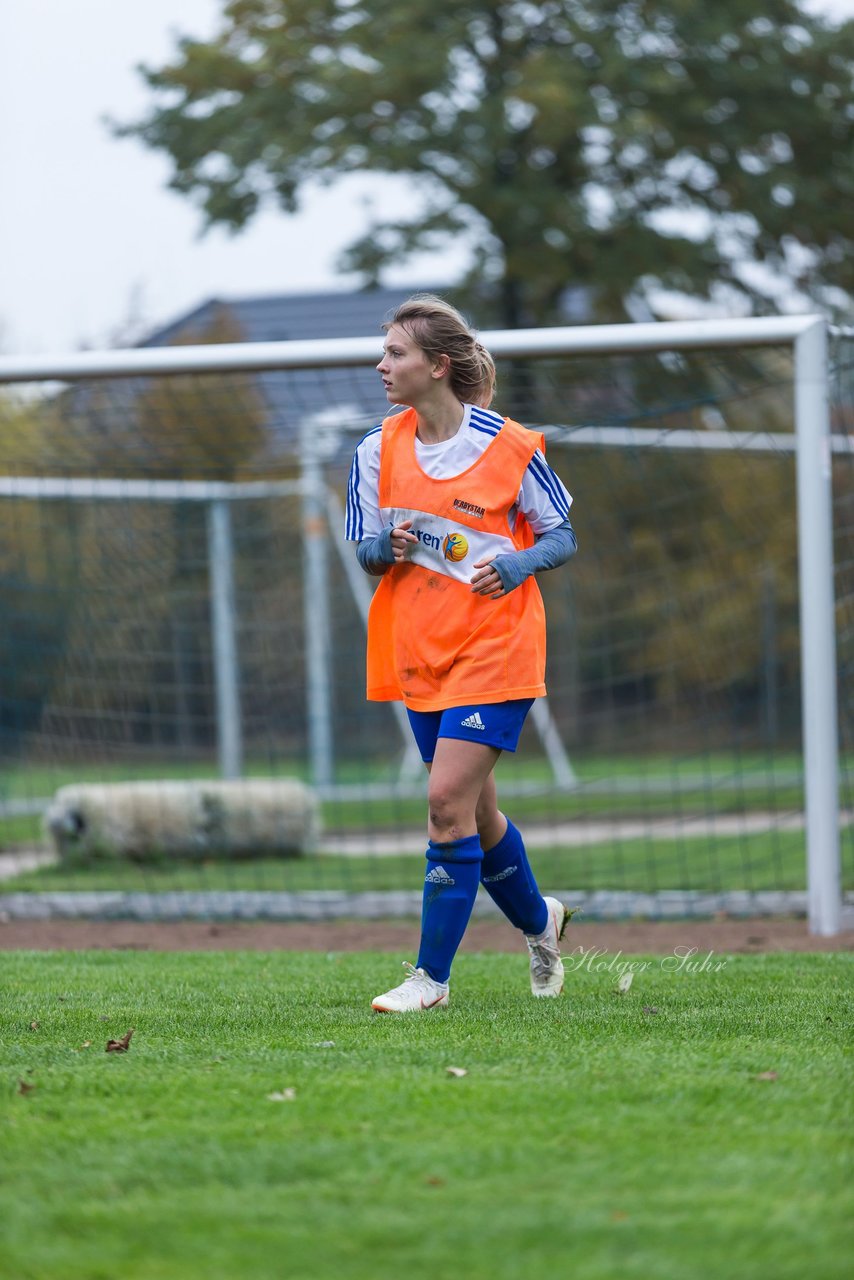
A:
435, 1182
34, 1026
120, 1046
619, 1215
459, 1072
24, 1088
650, 1008
626, 980
766, 1075
284, 1095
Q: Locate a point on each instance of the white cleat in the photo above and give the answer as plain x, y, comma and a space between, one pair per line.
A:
546, 964
417, 993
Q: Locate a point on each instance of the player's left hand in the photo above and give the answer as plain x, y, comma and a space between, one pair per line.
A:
486, 582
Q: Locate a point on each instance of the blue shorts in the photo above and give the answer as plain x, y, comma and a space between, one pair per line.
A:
498, 724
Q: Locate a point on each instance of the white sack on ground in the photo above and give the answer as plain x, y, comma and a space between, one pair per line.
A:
139, 820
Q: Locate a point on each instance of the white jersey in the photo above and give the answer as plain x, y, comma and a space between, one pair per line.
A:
542, 498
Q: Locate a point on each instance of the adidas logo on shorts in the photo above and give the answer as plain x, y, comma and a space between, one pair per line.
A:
472, 722
438, 876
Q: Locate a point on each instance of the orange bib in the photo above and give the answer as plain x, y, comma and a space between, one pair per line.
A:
432, 642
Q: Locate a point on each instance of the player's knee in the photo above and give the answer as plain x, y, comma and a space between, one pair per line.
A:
447, 810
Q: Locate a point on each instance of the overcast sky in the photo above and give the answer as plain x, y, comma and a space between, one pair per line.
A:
94, 247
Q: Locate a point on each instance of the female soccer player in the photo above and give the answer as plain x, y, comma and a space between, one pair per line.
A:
455, 507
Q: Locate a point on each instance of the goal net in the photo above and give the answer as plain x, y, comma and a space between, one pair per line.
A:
178, 606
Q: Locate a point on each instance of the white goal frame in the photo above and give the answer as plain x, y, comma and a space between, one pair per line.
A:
805, 334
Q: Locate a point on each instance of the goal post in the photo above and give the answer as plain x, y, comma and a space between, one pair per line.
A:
805, 335
818, 633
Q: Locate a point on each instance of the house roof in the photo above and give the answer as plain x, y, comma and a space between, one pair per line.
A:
295, 396
282, 317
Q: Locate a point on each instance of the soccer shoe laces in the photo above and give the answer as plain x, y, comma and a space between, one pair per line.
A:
418, 980
417, 976
544, 948
544, 957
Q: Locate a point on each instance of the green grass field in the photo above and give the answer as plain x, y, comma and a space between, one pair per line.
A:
596, 1136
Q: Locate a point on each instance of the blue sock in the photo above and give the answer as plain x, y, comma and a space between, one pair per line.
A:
450, 888
507, 877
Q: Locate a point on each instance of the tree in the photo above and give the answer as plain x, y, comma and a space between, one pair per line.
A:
628, 146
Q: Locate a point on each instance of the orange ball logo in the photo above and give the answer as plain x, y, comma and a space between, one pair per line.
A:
455, 547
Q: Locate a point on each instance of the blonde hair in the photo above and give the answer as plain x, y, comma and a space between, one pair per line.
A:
439, 329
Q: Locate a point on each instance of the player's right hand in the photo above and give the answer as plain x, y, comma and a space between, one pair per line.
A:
401, 538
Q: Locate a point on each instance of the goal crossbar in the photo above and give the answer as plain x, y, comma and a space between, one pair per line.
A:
258, 357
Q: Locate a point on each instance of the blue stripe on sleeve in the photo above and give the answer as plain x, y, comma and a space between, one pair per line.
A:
354, 526
547, 480
354, 523
373, 431
487, 431
488, 415
489, 423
